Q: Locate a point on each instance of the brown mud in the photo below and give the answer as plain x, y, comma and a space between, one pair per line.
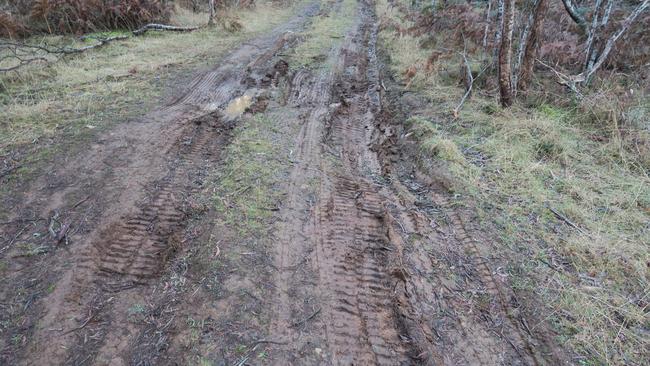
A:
368, 260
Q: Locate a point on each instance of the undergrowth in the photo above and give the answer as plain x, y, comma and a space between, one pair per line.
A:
568, 196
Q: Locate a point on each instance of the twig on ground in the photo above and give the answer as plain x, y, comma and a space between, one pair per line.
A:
13, 240
566, 220
83, 325
80, 202
296, 324
266, 341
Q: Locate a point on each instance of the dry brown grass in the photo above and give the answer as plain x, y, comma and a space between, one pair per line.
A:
583, 160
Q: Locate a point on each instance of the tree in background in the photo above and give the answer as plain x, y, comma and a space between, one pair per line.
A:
505, 53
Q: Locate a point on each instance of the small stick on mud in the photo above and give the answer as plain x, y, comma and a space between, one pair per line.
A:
297, 324
266, 341
80, 202
82, 325
13, 240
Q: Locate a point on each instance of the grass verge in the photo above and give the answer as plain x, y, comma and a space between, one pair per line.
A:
530, 171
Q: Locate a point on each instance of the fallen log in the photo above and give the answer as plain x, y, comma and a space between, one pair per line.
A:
162, 27
24, 54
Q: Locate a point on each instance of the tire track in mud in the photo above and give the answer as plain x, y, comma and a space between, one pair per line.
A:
377, 266
352, 259
131, 245
136, 248
346, 239
456, 303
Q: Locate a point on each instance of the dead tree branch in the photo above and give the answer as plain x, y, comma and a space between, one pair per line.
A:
575, 14
162, 27
23, 54
586, 75
487, 24
470, 83
563, 79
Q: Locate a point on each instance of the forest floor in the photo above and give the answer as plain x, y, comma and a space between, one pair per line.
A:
263, 205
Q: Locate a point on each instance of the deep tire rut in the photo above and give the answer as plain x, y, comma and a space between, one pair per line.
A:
352, 264
137, 247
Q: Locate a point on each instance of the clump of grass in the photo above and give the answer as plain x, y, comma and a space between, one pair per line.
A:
593, 282
443, 148
245, 194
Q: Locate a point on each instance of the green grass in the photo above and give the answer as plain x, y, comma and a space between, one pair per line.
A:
244, 193
512, 165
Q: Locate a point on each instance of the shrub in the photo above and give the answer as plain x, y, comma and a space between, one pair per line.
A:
80, 16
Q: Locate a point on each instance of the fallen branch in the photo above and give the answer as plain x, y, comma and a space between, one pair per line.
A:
25, 54
566, 220
297, 324
90, 317
162, 27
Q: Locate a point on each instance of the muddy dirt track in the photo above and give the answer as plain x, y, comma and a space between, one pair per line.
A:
371, 265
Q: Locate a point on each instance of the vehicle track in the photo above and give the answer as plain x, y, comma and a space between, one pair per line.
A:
347, 244
375, 265
151, 177
137, 247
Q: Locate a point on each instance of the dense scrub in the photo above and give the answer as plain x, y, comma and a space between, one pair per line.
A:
22, 17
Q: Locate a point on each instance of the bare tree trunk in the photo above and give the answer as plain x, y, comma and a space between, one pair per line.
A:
487, 25
497, 35
523, 41
594, 34
211, 21
612, 40
505, 53
591, 33
530, 53
575, 15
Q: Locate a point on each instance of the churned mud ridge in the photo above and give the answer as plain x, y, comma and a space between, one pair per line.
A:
136, 181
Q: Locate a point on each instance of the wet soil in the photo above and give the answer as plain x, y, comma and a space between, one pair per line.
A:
367, 260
